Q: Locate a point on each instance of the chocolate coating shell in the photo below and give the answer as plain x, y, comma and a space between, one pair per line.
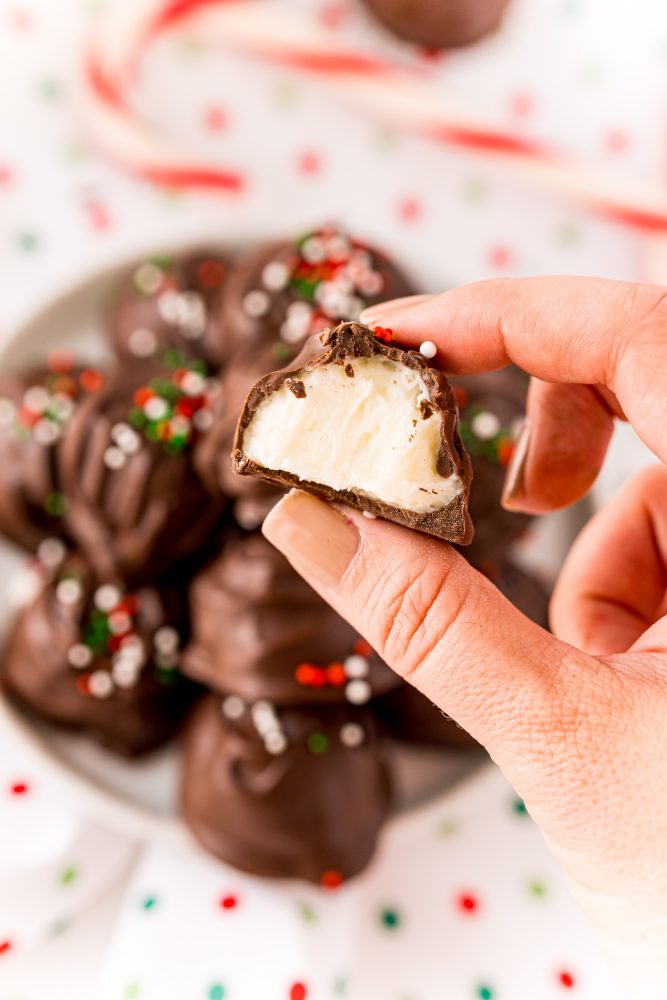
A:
177, 305
36, 673
439, 24
340, 345
255, 621
299, 814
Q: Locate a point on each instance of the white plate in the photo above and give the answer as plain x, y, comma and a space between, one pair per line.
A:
139, 797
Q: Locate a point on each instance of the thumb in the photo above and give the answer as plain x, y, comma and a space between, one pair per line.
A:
436, 621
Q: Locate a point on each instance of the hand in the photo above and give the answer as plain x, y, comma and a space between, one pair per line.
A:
578, 722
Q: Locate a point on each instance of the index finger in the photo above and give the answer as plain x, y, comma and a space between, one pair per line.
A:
561, 329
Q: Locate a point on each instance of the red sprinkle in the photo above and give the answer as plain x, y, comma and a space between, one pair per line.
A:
566, 979
216, 119
142, 396
468, 903
331, 879
383, 333
82, 684
19, 788
309, 163
60, 362
336, 675
363, 648
228, 902
5, 946
298, 991
91, 380
211, 273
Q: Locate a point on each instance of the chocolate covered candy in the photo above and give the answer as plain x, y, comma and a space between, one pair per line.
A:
136, 505
284, 292
97, 658
171, 302
294, 793
36, 411
364, 423
259, 631
439, 24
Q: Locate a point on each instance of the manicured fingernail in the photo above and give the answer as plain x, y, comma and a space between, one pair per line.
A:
313, 536
514, 488
385, 311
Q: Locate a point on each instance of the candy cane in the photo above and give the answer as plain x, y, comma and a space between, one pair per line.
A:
387, 89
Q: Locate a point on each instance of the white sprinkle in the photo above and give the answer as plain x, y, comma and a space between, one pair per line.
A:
337, 247
23, 587
114, 459
51, 552
46, 432
36, 399
7, 412
166, 639
148, 278
155, 408
192, 315
79, 656
129, 442
69, 591
356, 666
256, 303
124, 673
233, 707
100, 684
192, 384
246, 517
275, 742
142, 342
202, 420
358, 692
107, 597
299, 309
485, 425
264, 717
118, 430
314, 250
275, 276
168, 306
428, 349
62, 406
119, 623
370, 515
180, 426
351, 735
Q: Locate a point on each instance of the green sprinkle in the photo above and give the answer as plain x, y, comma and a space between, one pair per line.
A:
131, 991
519, 807
28, 241
568, 234
390, 919
166, 676
447, 827
148, 903
68, 876
340, 986
281, 352
306, 912
484, 992
216, 992
56, 504
318, 743
50, 88
173, 359
537, 889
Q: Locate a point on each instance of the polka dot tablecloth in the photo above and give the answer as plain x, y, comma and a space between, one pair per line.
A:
463, 901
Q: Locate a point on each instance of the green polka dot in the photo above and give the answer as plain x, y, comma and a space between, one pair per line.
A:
447, 827
27, 241
484, 992
519, 807
149, 903
131, 991
307, 913
390, 919
50, 89
216, 992
68, 876
286, 95
475, 190
318, 743
537, 889
340, 987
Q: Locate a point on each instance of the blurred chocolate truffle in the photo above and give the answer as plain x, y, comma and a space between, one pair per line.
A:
294, 793
259, 631
36, 412
284, 292
97, 658
439, 24
136, 505
171, 303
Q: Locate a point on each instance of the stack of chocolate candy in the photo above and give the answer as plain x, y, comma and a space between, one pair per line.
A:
152, 588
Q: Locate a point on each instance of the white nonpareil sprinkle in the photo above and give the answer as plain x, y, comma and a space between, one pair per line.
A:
119, 623
155, 408
69, 591
275, 276
79, 656
107, 597
114, 459
275, 742
202, 420
46, 432
192, 384
166, 639
358, 692
51, 552
370, 515
485, 425
124, 673
100, 684
356, 666
148, 278
233, 707
314, 250
428, 349
351, 735
142, 342
256, 303
36, 399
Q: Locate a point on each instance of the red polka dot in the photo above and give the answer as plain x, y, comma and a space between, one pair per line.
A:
98, 216
228, 902
333, 15
522, 104
500, 256
309, 163
617, 141
298, 991
468, 903
19, 788
409, 209
215, 118
566, 979
5, 946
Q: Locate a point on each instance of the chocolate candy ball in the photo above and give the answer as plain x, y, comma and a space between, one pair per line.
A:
97, 658
439, 24
259, 631
294, 793
171, 302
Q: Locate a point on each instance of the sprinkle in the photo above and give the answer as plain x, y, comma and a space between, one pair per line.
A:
485, 426
69, 591
124, 673
318, 743
100, 684
390, 919
56, 504
384, 334
275, 276
51, 552
68, 876
166, 639
370, 515
107, 597
358, 692
147, 278
155, 408
79, 656
91, 380
566, 979
233, 707
351, 735
313, 250
256, 304
46, 432
114, 459
119, 623
428, 349
468, 903
36, 399
298, 991
331, 879
142, 342
5, 946
202, 420
356, 666
275, 742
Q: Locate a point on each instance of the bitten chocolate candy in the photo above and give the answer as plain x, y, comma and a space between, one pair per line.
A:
364, 423
293, 793
95, 657
439, 24
284, 292
171, 302
259, 631
136, 506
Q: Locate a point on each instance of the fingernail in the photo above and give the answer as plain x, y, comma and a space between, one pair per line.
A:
314, 537
385, 311
514, 487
